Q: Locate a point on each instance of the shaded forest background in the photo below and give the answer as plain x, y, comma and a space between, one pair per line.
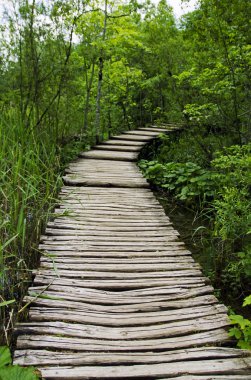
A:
74, 72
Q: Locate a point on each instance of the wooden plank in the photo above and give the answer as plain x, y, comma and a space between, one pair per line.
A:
169, 294
121, 267
137, 132
155, 129
129, 137
44, 357
64, 300
162, 330
105, 182
99, 174
235, 366
57, 231
106, 200
186, 260
125, 148
106, 205
91, 344
110, 245
45, 279
124, 319
78, 237
116, 156
72, 226
114, 276
97, 190
103, 267
124, 142
116, 253
139, 214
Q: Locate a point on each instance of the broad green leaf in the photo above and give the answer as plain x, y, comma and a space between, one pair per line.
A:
235, 332
5, 356
247, 301
19, 373
238, 319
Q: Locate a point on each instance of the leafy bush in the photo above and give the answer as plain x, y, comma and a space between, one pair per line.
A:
242, 329
188, 181
234, 166
222, 193
194, 144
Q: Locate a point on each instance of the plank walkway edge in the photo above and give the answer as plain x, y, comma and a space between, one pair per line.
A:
117, 294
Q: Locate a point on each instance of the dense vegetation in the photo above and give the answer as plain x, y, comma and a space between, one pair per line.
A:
73, 72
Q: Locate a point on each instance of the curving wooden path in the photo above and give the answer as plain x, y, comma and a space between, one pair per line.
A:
117, 295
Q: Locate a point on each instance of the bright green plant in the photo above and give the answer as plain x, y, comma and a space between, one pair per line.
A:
232, 213
188, 181
242, 329
15, 372
221, 194
234, 165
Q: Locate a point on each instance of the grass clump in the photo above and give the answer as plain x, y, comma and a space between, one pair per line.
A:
29, 176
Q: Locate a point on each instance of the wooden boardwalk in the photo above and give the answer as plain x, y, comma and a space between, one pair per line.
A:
117, 295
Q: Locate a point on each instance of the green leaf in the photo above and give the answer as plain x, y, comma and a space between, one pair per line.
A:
238, 319
19, 373
247, 301
244, 345
5, 356
235, 332
5, 303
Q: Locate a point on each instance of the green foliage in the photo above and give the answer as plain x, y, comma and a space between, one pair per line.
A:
194, 144
14, 372
233, 216
213, 86
242, 329
29, 182
234, 165
187, 181
232, 206
222, 193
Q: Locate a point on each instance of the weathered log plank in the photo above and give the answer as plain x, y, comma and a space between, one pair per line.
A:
46, 279
127, 136
103, 267
45, 357
72, 179
153, 295
154, 371
116, 156
124, 319
53, 299
84, 344
119, 148
124, 142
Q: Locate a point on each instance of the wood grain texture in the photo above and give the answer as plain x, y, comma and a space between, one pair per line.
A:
44, 357
217, 367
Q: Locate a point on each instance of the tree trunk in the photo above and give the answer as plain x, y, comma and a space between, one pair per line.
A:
88, 96
100, 78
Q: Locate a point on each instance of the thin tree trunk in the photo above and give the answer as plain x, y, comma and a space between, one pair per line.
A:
88, 96
100, 77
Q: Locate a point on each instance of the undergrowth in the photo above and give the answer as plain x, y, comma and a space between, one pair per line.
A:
215, 181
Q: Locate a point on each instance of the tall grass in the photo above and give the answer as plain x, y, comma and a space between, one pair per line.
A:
29, 180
